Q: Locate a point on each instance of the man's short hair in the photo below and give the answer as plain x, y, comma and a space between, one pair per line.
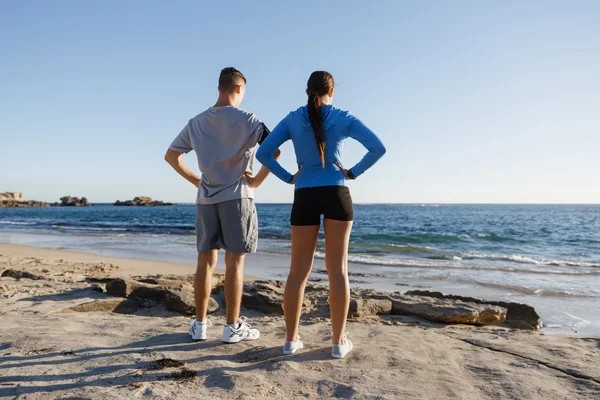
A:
229, 79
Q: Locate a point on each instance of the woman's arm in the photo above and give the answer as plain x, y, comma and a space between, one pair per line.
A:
266, 151
358, 131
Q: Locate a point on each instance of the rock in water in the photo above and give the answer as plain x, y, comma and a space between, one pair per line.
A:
69, 201
141, 202
18, 204
12, 196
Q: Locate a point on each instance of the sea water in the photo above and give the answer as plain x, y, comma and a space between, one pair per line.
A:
544, 255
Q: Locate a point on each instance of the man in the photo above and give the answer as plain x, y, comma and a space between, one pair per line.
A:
224, 139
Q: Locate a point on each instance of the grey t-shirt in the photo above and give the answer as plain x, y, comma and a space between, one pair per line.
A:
224, 139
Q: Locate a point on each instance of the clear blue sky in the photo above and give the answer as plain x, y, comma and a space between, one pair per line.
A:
477, 101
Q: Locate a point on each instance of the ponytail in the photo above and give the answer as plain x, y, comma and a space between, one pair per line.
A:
316, 120
319, 84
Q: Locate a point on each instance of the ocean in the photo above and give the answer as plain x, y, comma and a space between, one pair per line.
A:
544, 255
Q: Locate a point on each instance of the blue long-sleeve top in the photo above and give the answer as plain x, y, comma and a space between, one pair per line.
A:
339, 125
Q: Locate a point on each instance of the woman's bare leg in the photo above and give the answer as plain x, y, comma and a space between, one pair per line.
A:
304, 242
337, 236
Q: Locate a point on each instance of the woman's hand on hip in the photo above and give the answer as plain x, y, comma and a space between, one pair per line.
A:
344, 170
293, 181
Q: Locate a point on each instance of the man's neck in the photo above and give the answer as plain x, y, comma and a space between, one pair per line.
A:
224, 101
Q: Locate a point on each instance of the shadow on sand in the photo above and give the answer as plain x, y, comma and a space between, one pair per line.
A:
258, 357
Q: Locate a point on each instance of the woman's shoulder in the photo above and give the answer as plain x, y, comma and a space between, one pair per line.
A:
298, 111
343, 113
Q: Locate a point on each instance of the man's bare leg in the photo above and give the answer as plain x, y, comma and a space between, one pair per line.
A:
203, 282
234, 283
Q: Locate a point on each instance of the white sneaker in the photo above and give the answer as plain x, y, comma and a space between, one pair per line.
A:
239, 331
340, 350
292, 347
198, 329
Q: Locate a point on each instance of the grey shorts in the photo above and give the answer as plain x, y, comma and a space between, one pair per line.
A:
230, 225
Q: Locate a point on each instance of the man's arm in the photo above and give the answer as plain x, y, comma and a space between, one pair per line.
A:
176, 161
258, 179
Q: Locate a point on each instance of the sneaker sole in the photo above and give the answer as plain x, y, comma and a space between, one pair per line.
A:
242, 340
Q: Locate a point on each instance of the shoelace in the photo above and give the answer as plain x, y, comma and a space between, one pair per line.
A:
243, 325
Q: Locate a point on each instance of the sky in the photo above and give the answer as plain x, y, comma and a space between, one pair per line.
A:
476, 101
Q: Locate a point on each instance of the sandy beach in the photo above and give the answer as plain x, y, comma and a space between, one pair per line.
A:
49, 350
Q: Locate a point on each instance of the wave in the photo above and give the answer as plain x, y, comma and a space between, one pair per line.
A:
17, 223
523, 289
454, 264
84, 228
360, 247
527, 260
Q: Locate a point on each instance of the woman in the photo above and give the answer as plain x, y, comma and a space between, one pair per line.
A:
318, 131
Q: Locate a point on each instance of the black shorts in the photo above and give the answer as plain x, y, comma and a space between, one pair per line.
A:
333, 202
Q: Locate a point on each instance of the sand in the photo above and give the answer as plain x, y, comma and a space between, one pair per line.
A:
46, 353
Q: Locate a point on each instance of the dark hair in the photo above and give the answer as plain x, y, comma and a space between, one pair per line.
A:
229, 79
319, 84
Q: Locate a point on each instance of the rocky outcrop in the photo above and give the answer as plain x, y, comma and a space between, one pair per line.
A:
448, 311
175, 293
69, 201
142, 202
366, 307
267, 297
11, 196
263, 296
175, 299
13, 200
521, 316
28, 203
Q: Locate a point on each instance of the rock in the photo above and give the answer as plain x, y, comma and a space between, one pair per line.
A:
179, 281
518, 324
69, 201
97, 288
141, 201
120, 287
448, 311
165, 282
18, 204
113, 305
366, 307
94, 279
173, 299
520, 316
263, 296
427, 293
13, 196
13, 273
